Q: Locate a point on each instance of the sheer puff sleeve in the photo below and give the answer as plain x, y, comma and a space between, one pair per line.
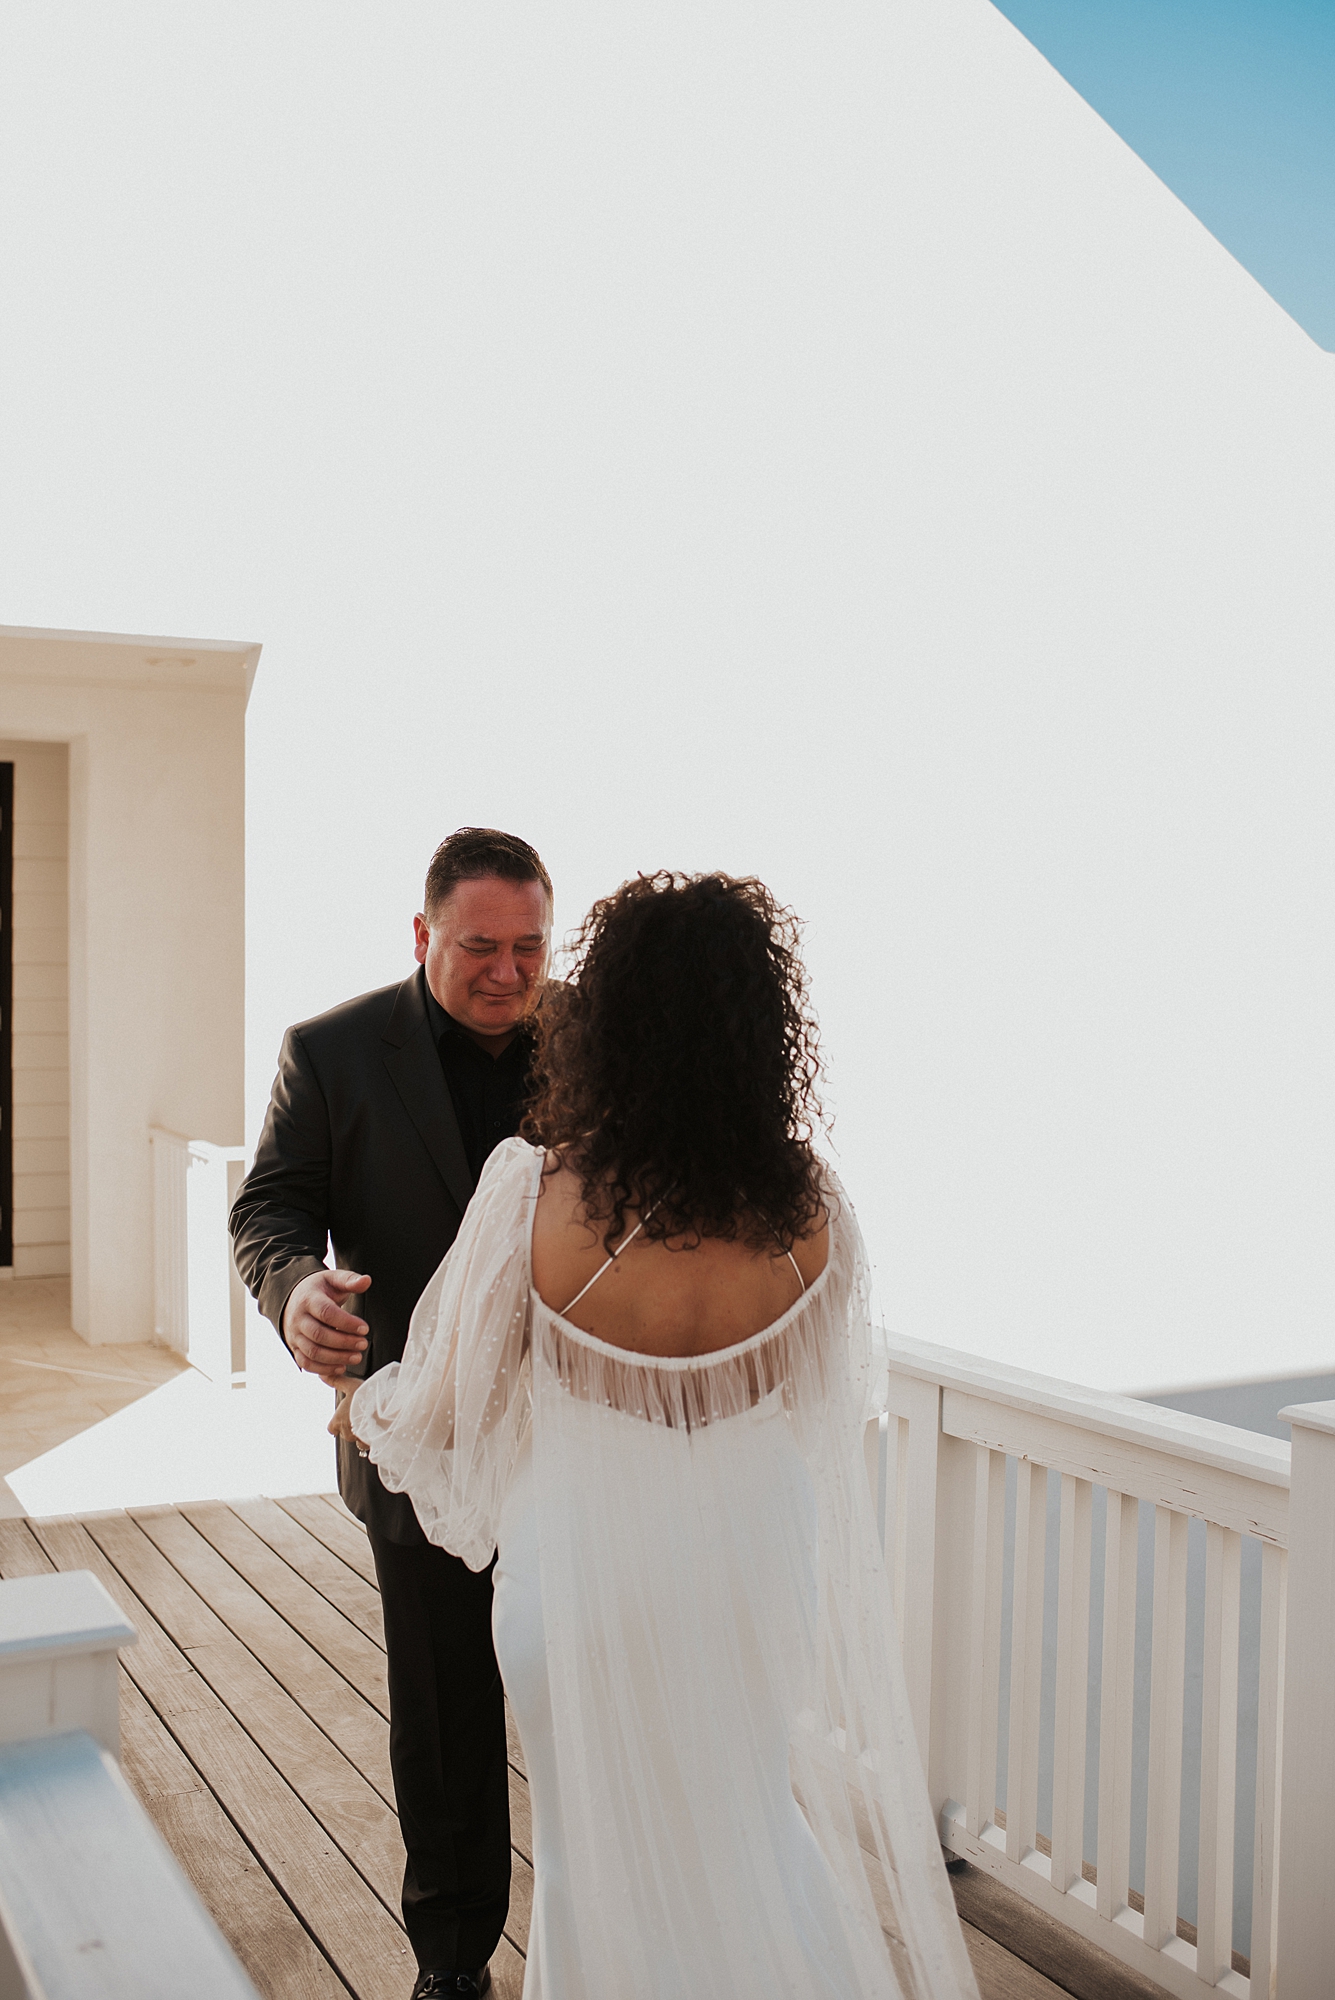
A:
446, 1424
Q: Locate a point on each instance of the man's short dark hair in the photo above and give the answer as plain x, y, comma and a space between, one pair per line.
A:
474, 852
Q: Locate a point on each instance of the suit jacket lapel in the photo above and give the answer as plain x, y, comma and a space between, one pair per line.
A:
413, 1062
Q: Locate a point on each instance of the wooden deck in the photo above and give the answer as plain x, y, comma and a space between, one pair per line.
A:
254, 1720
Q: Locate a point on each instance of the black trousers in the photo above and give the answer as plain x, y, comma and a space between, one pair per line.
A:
447, 1753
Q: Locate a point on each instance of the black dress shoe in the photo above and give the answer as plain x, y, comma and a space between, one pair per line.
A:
435, 1985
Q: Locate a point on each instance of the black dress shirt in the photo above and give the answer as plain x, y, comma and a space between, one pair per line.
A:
489, 1093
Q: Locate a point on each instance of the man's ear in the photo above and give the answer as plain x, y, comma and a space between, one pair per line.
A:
421, 938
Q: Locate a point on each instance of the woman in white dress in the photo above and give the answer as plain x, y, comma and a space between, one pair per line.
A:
643, 1373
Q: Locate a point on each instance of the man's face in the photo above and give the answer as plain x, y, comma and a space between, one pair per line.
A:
485, 953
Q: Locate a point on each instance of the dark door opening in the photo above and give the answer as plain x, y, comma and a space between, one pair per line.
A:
6, 1014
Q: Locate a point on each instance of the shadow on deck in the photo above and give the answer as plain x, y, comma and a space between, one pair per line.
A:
254, 1719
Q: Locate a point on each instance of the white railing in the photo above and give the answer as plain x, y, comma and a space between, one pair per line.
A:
91, 1899
198, 1298
1099, 1643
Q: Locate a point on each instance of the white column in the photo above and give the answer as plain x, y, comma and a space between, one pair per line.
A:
1305, 1951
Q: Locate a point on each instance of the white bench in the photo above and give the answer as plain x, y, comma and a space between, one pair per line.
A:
93, 1905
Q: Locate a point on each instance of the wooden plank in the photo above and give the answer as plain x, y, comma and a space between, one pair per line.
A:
521, 1861
313, 1766
1117, 1697
521, 1844
348, 1921
361, 1663
327, 1521
318, 1777
266, 1936
21, 1554
347, 1538
176, 1573
69, 1546
520, 1914
311, 1679
1032, 1936
1068, 1759
507, 1973
324, 1516
514, 1748
359, 1730
1167, 1680
521, 1818
1031, 1529
1002, 1977
339, 1585
1219, 1748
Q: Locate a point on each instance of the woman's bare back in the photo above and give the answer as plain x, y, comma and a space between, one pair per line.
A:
659, 1298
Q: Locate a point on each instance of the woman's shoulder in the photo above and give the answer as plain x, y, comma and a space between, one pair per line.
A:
561, 1196
509, 1166
811, 1251
845, 1250
501, 1210
827, 1234
512, 1150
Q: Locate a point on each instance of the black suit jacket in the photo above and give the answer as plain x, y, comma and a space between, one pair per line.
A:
360, 1147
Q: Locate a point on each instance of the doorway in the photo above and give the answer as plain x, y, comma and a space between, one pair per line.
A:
34, 1010
7, 1015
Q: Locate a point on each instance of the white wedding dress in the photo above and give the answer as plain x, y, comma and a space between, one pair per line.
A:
693, 1625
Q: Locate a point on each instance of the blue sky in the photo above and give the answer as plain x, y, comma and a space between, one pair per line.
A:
1232, 103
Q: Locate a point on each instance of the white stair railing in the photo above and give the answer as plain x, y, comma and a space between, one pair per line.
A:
198, 1298
60, 1640
91, 1899
1028, 1526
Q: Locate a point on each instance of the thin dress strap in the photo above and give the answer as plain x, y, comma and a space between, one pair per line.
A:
631, 1238
611, 1260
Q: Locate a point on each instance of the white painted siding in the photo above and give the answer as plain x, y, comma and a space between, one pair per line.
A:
41, 1008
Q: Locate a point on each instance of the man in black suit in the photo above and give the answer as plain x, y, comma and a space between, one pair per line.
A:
382, 1116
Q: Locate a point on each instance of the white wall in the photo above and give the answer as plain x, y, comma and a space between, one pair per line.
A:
798, 438
156, 743
41, 1058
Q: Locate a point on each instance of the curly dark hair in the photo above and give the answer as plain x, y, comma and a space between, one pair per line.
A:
677, 1069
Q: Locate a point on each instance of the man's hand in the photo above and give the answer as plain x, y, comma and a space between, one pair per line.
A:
324, 1338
